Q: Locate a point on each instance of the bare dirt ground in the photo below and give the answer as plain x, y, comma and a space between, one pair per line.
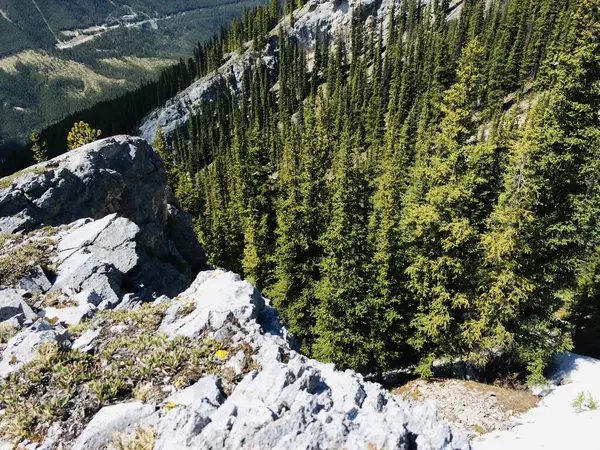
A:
472, 407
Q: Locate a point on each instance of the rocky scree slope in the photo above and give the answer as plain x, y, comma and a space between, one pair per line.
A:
330, 18
106, 343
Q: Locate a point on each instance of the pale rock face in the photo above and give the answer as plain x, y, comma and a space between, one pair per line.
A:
215, 302
176, 111
13, 304
22, 348
35, 282
328, 17
113, 420
293, 401
118, 225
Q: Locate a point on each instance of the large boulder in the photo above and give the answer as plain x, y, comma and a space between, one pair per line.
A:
121, 175
116, 226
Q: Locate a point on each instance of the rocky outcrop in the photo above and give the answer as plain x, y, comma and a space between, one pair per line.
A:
327, 17
110, 220
177, 110
93, 356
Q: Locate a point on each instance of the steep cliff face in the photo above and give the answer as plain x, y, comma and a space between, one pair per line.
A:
114, 190
93, 356
328, 17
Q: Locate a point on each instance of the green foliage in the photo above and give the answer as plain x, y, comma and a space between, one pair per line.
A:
39, 149
17, 261
399, 208
7, 332
431, 194
343, 325
584, 402
81, 134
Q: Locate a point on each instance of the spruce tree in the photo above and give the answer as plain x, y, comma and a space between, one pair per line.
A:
443, 210
343, 323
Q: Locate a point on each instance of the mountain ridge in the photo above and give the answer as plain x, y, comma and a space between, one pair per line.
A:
210, 366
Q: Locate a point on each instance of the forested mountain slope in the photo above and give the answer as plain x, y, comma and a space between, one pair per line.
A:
408, 188
410, 182
57, 57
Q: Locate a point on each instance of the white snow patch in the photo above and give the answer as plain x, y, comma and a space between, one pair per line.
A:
555, 424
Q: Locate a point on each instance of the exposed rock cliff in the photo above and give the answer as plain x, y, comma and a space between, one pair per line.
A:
93, 356
328, 17
109, 216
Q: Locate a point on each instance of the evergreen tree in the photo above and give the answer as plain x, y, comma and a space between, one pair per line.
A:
443, 212
81, 133
39, 149
343, 323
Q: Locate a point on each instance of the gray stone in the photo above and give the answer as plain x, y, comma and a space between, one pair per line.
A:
189, 413
112, 420
293, 401
114, 195
96, 257
129, 302
85, 343
35, 282
21, 349
84, 272
204, 395
13, 305
217, 296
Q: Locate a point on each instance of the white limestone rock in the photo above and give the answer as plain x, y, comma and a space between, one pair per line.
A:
112, 420
85, 342
22, 348
13, 305
217, 296
293, 401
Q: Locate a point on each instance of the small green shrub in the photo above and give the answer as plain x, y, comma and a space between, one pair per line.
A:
143, 439
6, 237
18, 261
7, 332
148, 317
584, 402
479, 429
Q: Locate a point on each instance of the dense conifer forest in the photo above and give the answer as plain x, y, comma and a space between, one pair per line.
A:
424, 191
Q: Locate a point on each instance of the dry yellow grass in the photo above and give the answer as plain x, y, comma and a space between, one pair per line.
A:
518, 401
140, 63
55, 67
